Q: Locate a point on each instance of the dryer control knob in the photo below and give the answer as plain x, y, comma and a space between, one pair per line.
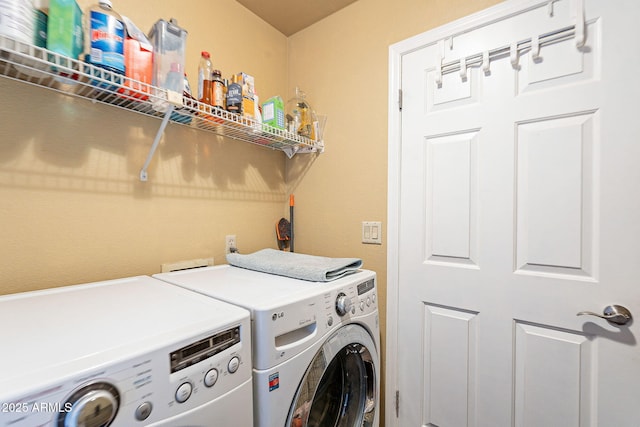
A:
343, 304
184, 392
93, 405
143, 411
233, 365
211, 377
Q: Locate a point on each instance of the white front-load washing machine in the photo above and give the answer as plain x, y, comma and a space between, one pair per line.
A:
315, 344
123, 353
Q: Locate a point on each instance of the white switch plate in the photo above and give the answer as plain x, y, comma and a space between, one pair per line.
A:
372, 232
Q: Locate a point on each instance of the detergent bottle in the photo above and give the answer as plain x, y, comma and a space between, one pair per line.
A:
104, 37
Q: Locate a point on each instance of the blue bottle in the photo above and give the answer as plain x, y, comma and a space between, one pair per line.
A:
104, 37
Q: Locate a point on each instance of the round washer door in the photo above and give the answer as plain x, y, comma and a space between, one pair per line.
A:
340, 385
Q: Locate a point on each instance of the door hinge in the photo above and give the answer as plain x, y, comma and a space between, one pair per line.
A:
397, 403
400, 99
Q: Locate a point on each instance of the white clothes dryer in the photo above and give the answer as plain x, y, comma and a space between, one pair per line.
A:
315, 344
123, 353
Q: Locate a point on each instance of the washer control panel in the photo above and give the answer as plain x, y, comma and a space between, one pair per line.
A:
280, 332
353, 300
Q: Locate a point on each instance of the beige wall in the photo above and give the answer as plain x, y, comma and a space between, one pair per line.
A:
73, 209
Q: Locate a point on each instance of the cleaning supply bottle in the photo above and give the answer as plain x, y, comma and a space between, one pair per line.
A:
104, 37
175, 78
187, 87
177, 115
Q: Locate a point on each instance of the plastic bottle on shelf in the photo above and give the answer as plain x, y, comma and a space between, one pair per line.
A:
257, 108
204, 88
217, 92
257, 112
178, 115
104, 37
217, 95
175, 78
225, 82
187, 86
234, 96
204, 78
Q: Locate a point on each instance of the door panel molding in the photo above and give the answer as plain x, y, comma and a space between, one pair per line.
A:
553, 382
557, 195
449, 347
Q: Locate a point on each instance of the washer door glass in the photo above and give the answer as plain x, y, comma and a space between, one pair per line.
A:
339, 387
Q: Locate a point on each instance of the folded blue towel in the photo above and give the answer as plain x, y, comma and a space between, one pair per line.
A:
296, 265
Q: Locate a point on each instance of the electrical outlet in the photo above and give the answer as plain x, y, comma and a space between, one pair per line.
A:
230, 243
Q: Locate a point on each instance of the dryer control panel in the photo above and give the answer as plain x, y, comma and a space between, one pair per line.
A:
149, 388
121, 353
203, 349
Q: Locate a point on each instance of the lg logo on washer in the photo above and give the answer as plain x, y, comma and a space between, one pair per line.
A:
277, 316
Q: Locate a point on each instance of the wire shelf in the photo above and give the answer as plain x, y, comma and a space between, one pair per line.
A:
44, 68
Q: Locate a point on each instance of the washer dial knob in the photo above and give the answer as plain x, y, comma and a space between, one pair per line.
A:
343, 304
95, 405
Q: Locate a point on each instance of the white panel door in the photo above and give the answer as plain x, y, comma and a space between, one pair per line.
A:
519, 207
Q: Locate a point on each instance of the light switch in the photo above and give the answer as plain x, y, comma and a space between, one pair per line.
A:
372, 232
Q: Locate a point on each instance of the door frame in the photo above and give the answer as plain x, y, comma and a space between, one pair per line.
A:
394, 165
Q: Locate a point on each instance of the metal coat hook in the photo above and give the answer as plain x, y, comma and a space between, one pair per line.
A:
439, 72
579, 28
550, 7
513, 55
464, 71
440, 57
535, 48
486, 65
